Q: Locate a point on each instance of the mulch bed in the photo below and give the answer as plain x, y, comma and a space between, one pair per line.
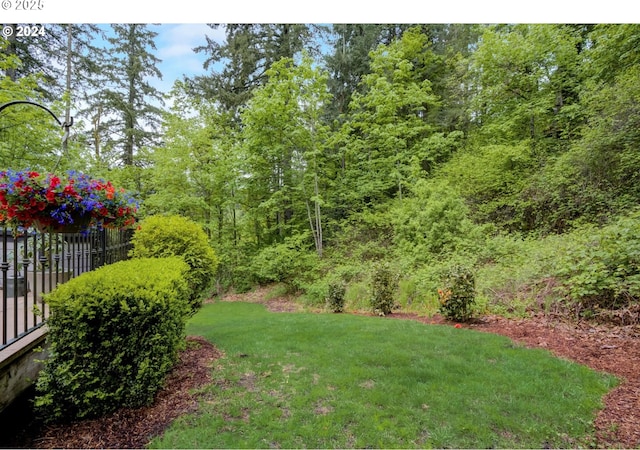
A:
131, 428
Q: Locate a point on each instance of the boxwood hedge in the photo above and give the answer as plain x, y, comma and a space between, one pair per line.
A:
163, 236
114, 334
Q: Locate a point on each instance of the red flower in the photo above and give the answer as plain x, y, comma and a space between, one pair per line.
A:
458, 326
26, 196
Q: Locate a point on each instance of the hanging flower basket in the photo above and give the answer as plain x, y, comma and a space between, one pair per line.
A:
80, 224
63, 204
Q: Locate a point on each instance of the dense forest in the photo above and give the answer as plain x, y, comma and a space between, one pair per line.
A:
316, 153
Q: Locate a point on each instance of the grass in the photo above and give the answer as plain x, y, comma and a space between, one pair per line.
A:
345, 381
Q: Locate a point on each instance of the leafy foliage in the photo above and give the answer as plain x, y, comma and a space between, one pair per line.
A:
386, 140
383, 287
418, 145
114, 334
603, 271
165, 236
529, 76
432, 221
289, 262
458, 294
20, 141
335, 295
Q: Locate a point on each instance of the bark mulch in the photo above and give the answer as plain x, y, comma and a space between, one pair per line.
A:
128, 427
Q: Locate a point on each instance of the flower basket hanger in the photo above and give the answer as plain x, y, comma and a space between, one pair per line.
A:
69, 203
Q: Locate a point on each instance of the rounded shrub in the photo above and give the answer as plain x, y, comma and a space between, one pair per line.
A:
163, 236
114, 334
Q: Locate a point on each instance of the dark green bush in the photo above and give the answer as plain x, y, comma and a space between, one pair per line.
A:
290, 262
458, 294
335, 295
114, 334
383, 289
163, 236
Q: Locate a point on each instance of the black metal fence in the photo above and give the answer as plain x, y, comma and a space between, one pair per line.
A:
33, 263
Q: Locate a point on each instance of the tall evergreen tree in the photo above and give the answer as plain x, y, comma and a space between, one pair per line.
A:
62, 62
349, 59
247, 54
451, 75
128, 118
40, 51
46, 52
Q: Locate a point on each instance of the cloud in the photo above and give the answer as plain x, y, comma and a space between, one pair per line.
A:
180, 40
175, 44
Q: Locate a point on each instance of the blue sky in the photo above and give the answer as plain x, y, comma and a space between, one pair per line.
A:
174, 47
175, 44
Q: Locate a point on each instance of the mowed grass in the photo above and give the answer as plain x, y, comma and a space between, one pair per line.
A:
293, 380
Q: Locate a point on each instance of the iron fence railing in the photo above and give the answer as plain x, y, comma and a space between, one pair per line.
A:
33, 263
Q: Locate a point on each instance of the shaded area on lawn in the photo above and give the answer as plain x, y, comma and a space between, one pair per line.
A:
126, 428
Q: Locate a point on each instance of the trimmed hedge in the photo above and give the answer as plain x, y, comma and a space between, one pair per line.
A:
114, 334
164, 236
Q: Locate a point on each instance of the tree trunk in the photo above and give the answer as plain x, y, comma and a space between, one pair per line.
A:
129, 118
96, 131
67, 107
318, 217
11, 49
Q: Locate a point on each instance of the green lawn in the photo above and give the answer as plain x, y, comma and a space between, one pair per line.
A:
291, 380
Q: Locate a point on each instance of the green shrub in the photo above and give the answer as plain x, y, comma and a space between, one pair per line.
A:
114, 334
432, 221
289, 262
163, 236
458, 295
383, 284
602, 267
335, 295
